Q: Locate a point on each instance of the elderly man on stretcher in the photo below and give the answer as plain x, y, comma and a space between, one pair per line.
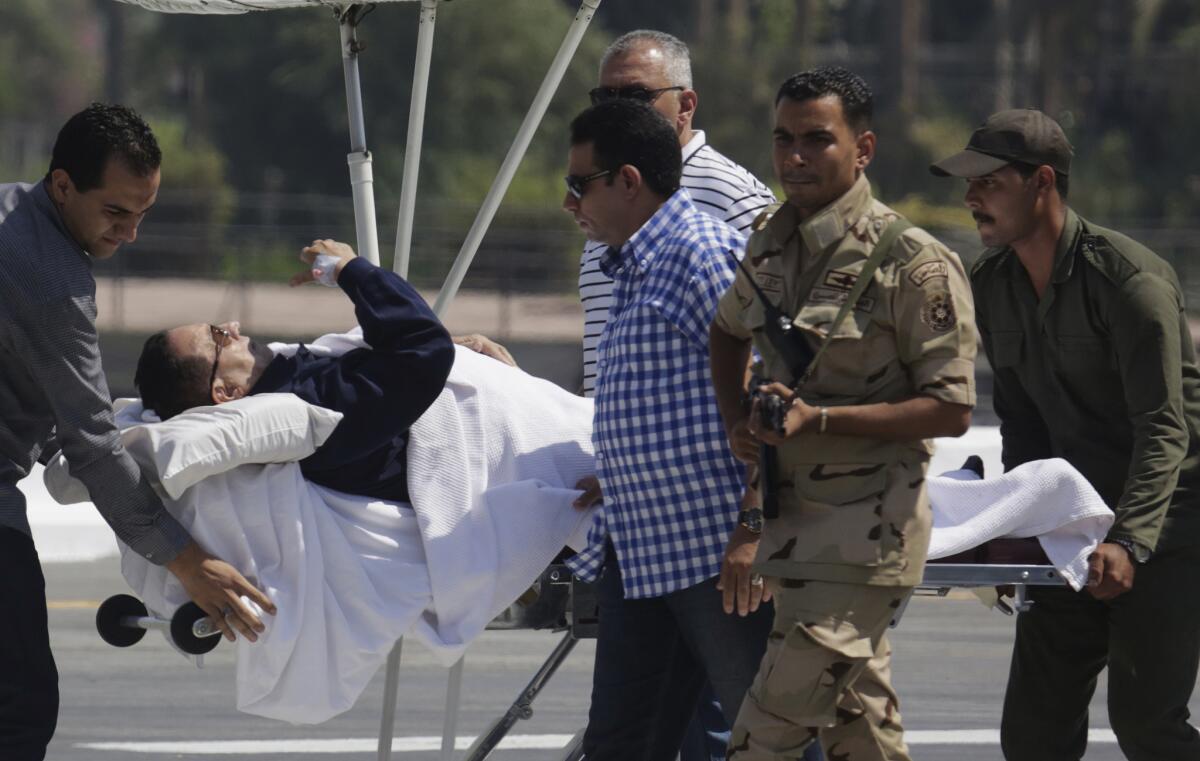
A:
430, 497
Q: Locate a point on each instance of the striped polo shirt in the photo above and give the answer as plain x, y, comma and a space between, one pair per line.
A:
718, 187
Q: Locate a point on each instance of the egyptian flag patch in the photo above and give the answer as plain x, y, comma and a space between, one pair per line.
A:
840, 279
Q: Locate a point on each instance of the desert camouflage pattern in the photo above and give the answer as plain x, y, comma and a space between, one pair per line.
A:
852, 509
825, 677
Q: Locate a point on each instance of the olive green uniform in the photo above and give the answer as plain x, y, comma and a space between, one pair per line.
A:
1101, 371
853, 526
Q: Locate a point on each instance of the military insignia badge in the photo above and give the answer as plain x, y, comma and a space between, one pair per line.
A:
768, 282
928, 271
938, 313
843, 281
833, 296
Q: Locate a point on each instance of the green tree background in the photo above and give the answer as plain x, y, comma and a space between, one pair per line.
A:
252, 113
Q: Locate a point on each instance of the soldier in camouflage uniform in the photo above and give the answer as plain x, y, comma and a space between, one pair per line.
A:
852, 530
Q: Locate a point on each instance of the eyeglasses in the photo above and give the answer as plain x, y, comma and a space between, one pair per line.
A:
576, 184
636, 92
220, 337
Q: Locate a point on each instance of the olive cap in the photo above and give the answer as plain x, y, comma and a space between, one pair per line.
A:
1020, 134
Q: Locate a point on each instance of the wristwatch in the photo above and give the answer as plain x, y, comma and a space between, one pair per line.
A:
1137, 552
752, 519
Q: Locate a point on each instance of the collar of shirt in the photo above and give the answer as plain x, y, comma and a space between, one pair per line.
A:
282, 371
1064, 253
46, 206
696, 143
1064, 260
640, 249
827, 226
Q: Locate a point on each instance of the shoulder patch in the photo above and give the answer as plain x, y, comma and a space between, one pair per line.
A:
923, 273
938, 312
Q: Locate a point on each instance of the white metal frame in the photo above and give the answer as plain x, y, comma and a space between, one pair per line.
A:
466, 255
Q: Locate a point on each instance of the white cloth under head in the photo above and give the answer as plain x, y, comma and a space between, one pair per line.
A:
492, 465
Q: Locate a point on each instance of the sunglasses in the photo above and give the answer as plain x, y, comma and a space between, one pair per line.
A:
576, 184
636, 92
220, 337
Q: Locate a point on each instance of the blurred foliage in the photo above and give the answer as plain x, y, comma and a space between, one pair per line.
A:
251, 109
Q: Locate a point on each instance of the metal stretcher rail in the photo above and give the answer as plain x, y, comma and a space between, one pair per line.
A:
579, 619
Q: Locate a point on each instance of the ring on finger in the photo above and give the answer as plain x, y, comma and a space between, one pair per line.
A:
227, 611
756, 580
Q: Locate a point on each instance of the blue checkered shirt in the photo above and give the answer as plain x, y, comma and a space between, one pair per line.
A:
670, 482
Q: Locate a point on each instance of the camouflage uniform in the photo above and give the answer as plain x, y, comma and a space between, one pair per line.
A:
853, 529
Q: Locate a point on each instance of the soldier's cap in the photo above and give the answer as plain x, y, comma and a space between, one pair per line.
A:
1020, 134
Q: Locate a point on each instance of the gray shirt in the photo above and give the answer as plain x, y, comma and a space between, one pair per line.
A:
52, 388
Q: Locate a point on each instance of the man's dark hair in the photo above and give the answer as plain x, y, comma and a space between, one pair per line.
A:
625, 131
1062, 182
850, 89
97, 133
169, 384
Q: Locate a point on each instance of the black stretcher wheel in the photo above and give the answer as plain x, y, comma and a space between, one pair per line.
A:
181, 630
108, 620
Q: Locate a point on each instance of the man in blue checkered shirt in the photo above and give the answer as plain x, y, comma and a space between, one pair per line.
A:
670, 485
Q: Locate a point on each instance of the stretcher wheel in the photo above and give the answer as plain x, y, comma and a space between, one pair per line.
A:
183, 634
108, 620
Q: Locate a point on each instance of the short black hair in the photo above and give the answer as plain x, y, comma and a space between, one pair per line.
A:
97, 133
857, 101
1062, 182
169, 384
625, 131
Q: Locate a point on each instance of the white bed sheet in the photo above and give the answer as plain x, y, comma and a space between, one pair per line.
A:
491, 466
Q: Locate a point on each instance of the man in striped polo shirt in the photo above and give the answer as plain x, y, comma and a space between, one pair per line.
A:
655, 67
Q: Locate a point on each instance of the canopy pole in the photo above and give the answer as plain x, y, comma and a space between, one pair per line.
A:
359, 158
416, 128
533, 118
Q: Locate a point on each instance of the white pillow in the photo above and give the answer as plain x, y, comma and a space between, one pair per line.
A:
205, 441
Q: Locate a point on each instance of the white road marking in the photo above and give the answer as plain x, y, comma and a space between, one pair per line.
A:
982, 736
316, 746
463, 742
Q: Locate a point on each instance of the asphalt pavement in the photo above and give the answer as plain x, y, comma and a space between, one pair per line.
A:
148, 702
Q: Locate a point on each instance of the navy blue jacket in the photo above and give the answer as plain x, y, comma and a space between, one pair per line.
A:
380, 391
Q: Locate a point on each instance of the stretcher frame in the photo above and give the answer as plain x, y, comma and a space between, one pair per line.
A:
938, 579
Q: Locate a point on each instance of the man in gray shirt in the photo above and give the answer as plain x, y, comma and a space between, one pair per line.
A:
103, 178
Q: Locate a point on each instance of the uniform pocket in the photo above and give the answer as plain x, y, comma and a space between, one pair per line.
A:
841, 484
841, 512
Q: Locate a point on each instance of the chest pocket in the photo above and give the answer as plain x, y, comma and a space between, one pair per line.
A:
849, 360
754, 317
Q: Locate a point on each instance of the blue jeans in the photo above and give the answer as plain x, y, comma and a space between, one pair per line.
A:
652, 659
